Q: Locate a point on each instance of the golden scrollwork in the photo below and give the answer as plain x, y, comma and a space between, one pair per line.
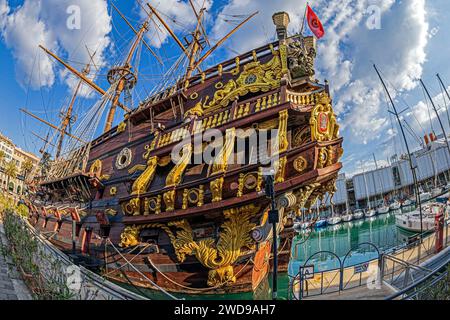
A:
129, 237
143, 182
121, 127
281, 169
193, 196
300, 164
152, 204
169, 200
216, 189
264, 77
113, 191
284, 59
219, 258
323, 122
323, 158
301, 136
221, 160
96, 168
249, 181
196, 111
111, 212
176, 174
304, 193
283, 143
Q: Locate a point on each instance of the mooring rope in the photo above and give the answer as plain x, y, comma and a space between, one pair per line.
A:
196, 289
143, 275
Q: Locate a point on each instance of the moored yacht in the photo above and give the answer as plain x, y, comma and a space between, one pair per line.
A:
358, 214
334, 220
383, 209
411, 221
370, 213
395, 206
347, 217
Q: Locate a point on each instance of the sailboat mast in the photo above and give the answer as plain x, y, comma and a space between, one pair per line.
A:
413, 168
437, 115
446, 92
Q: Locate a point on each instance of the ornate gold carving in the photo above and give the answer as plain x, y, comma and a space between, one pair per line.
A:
235, 236
169, 200
301, 59
323, 122
281, 165
221, 161
218, 85
216, 189
136, 168
301, 136
129, 237
283, 143
284, 59
113, 191
143, 182
193, 196
300, 164
121, 127
193, 96
176, 174
135, 205
110, 212
304, 193
96, 168
196, 111
323, 158
249, 181
267, 78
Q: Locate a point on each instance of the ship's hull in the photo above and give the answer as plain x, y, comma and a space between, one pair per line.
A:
201, 227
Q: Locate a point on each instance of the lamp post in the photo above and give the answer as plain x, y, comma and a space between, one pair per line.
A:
274, 217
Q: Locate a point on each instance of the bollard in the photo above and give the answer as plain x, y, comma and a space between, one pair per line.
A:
439, 229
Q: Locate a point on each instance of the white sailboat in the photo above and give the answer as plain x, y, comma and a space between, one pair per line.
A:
333, 220
347, 216
395, 206
411, 221
369, 212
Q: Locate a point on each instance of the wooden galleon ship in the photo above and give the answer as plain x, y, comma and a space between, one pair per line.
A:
187, 226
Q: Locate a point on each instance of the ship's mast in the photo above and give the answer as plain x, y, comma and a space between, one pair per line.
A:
67, 119
199, 35
124, 76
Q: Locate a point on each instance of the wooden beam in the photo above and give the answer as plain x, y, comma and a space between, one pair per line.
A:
208, 53
80, 75
51, 125
136, 32
180, 44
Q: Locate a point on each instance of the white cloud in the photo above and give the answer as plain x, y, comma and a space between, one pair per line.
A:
347, 52
45, 22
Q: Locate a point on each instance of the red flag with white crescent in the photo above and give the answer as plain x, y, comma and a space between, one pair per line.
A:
314, 23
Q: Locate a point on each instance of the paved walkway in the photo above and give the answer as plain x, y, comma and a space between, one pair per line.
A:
12, 286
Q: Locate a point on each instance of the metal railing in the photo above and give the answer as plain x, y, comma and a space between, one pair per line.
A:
424, 289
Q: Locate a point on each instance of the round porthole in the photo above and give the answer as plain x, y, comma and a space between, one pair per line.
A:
123, 160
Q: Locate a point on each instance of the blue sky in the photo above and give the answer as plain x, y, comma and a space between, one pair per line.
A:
412, 42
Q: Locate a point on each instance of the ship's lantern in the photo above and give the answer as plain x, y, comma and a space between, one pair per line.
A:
281, 21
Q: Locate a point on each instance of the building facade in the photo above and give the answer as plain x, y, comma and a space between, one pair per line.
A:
396, 180
17, 156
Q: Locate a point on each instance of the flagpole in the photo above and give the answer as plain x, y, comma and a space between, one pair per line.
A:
304, 18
